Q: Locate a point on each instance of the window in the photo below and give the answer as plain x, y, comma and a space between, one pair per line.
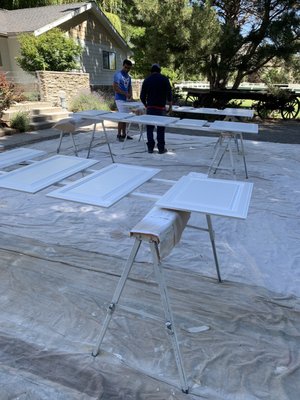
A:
109, 60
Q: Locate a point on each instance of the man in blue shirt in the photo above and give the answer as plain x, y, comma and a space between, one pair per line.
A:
123, 92
155, 94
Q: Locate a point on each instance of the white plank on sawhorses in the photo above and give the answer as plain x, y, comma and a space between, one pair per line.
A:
106, 186
156, 120
41, 174
234, 127
16, 156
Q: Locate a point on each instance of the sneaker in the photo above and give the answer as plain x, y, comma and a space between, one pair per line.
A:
129, 137
162, 151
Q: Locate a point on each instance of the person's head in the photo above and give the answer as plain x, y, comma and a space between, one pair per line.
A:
127, 64
155, 68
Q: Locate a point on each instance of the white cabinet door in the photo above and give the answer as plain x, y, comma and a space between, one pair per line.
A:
210, 196
41, 174
16, 156
107, 186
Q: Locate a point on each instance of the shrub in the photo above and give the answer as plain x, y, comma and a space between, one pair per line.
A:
51, 51
31, 96
21, 121
91, 101
8, 93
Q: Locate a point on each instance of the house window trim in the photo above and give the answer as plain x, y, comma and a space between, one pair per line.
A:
111, 57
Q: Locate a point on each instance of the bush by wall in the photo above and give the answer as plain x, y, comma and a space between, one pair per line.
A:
21, 121
91, 101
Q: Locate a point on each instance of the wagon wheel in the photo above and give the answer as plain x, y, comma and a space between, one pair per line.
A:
266, 110
190, 99
290, 109
262, 110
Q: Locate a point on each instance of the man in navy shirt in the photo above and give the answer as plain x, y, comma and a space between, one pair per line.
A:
123, 92
155, 94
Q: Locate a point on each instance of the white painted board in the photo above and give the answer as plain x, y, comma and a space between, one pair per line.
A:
239, 127
206, 110
116, 116
106, 186
182, 108
234, 112
133, 105
16, 156
41, 174
90, 113
155, 120
210, 196
189, 123
239, 112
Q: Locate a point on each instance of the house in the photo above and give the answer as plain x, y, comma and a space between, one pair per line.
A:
104, 48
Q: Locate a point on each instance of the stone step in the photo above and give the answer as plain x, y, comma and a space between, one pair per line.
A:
36, 126
46, 110
28, 105
42, 114
8, 114
50, 116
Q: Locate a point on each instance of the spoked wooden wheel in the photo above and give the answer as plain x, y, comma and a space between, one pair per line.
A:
290, 109
262, 110
266, 110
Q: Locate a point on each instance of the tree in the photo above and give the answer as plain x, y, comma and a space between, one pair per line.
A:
52, 51
252, 34
171, 33
223, 40
281, 71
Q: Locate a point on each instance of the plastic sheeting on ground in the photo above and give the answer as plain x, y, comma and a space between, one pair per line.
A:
61, 260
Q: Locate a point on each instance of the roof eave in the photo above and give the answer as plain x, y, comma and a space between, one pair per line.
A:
97, 12
60, 21
107, 24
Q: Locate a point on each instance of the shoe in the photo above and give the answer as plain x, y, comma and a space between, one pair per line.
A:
150, 151
121, 138
129, 137
162, 151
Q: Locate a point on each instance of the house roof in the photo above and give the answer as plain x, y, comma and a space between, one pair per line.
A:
41, 19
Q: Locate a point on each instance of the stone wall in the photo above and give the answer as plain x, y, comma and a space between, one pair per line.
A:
55, 85
136, 88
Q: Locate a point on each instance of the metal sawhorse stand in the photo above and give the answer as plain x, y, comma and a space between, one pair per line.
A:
161, 223
72, 124
223, 144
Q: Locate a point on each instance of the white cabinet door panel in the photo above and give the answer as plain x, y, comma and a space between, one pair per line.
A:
107, 186
41, 174
16, 156
210, 196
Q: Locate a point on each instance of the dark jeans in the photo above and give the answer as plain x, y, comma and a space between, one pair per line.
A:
160, 131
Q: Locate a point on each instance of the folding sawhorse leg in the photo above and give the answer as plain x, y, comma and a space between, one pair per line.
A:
106, 138
62, 133
153, 239
141, 136
218, 147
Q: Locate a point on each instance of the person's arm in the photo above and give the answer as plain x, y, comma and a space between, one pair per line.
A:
117, 89
129, 94
169, 103
169, 98
143, 95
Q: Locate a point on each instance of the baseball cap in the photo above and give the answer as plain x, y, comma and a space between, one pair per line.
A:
155, 68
